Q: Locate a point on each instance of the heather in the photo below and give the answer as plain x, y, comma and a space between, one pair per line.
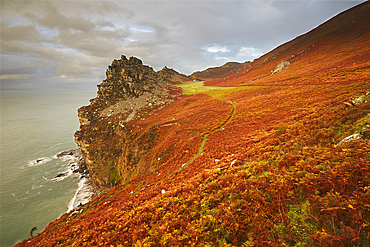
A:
260, 158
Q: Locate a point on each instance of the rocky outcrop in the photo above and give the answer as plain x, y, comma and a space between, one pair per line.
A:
364, 133
172, 76
349, 138
130, 91
282, 65
359, 100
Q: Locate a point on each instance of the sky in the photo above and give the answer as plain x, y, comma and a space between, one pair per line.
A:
69, 44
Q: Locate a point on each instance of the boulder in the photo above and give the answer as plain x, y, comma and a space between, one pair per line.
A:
360, 100
349, 138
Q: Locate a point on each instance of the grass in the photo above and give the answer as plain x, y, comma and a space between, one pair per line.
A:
191, 88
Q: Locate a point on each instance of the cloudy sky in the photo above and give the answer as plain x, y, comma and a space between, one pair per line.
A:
69, 44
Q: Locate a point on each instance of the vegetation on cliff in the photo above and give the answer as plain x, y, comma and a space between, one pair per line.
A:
111, 146
261, 163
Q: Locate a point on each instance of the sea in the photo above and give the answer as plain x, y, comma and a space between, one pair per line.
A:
37, 180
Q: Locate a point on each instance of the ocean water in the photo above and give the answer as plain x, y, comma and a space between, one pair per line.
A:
35, 127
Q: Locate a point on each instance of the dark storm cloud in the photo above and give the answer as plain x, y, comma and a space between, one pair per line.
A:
79, 39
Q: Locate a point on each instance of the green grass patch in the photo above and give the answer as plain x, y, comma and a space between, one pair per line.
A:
190, 88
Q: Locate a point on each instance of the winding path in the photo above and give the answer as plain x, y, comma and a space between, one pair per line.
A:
205, 136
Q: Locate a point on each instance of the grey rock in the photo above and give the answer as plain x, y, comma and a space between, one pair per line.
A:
282, 65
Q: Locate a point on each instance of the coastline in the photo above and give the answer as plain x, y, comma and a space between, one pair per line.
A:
86, 190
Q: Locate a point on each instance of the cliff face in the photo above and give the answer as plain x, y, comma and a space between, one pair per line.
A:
130, 91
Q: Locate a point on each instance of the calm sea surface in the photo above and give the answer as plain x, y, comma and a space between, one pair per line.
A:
35, 126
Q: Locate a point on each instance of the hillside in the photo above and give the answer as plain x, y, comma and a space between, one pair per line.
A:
223, 71
172, 76
340, 44
277, 154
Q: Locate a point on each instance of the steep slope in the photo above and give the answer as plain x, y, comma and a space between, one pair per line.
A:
337, 45
279, 157
223, 71
131, 92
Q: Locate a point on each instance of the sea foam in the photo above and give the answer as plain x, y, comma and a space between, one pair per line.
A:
83, 194
38, 162
85, 189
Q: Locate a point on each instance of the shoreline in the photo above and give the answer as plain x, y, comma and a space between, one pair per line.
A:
86, 190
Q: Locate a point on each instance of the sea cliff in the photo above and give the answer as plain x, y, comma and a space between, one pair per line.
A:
130, 91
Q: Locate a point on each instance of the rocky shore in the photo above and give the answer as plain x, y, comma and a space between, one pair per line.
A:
86, 190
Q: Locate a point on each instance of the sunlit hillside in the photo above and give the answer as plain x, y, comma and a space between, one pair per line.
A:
255, 159
223, 71
334, 50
